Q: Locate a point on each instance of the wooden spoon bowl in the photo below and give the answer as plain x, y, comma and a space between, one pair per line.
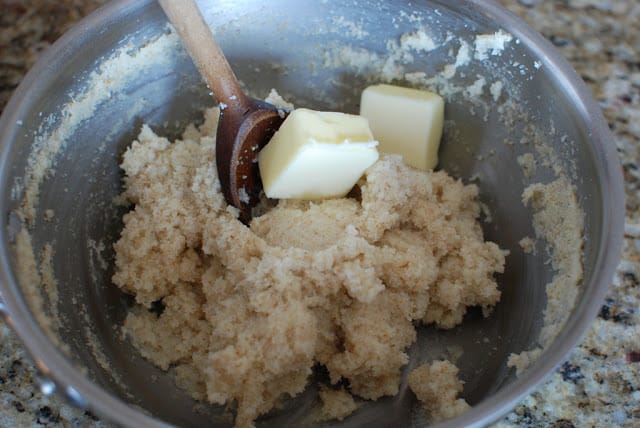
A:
245, 124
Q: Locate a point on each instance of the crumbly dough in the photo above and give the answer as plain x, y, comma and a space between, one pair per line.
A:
528, 245
336, 403
558, 219
247, 312
523, 360
437, 386
528, 164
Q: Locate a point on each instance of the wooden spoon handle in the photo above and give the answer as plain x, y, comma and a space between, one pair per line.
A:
204, 50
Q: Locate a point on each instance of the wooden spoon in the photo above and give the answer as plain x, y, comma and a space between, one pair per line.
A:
245, 124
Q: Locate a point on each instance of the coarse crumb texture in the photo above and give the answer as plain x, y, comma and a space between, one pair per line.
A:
528, 164
528, 245
336, 403
28, 273
437, 386
558, 219
40, 286
247, 312
523, 360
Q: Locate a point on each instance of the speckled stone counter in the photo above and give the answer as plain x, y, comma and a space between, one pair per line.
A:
599, 386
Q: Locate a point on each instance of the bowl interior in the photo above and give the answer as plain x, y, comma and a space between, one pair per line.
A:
318, 55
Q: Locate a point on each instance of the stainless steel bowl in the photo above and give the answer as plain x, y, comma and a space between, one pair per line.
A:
288, 44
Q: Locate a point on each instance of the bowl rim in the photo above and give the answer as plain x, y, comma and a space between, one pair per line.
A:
83, 393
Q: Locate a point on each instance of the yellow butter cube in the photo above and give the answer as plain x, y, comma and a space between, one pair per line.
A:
405, 121
316, 155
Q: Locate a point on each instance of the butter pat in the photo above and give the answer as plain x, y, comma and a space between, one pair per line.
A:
316, 155
405, 121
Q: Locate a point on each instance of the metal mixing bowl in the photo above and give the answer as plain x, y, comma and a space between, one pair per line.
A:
288, 45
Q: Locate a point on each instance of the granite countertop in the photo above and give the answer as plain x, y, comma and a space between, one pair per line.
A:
600, 384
